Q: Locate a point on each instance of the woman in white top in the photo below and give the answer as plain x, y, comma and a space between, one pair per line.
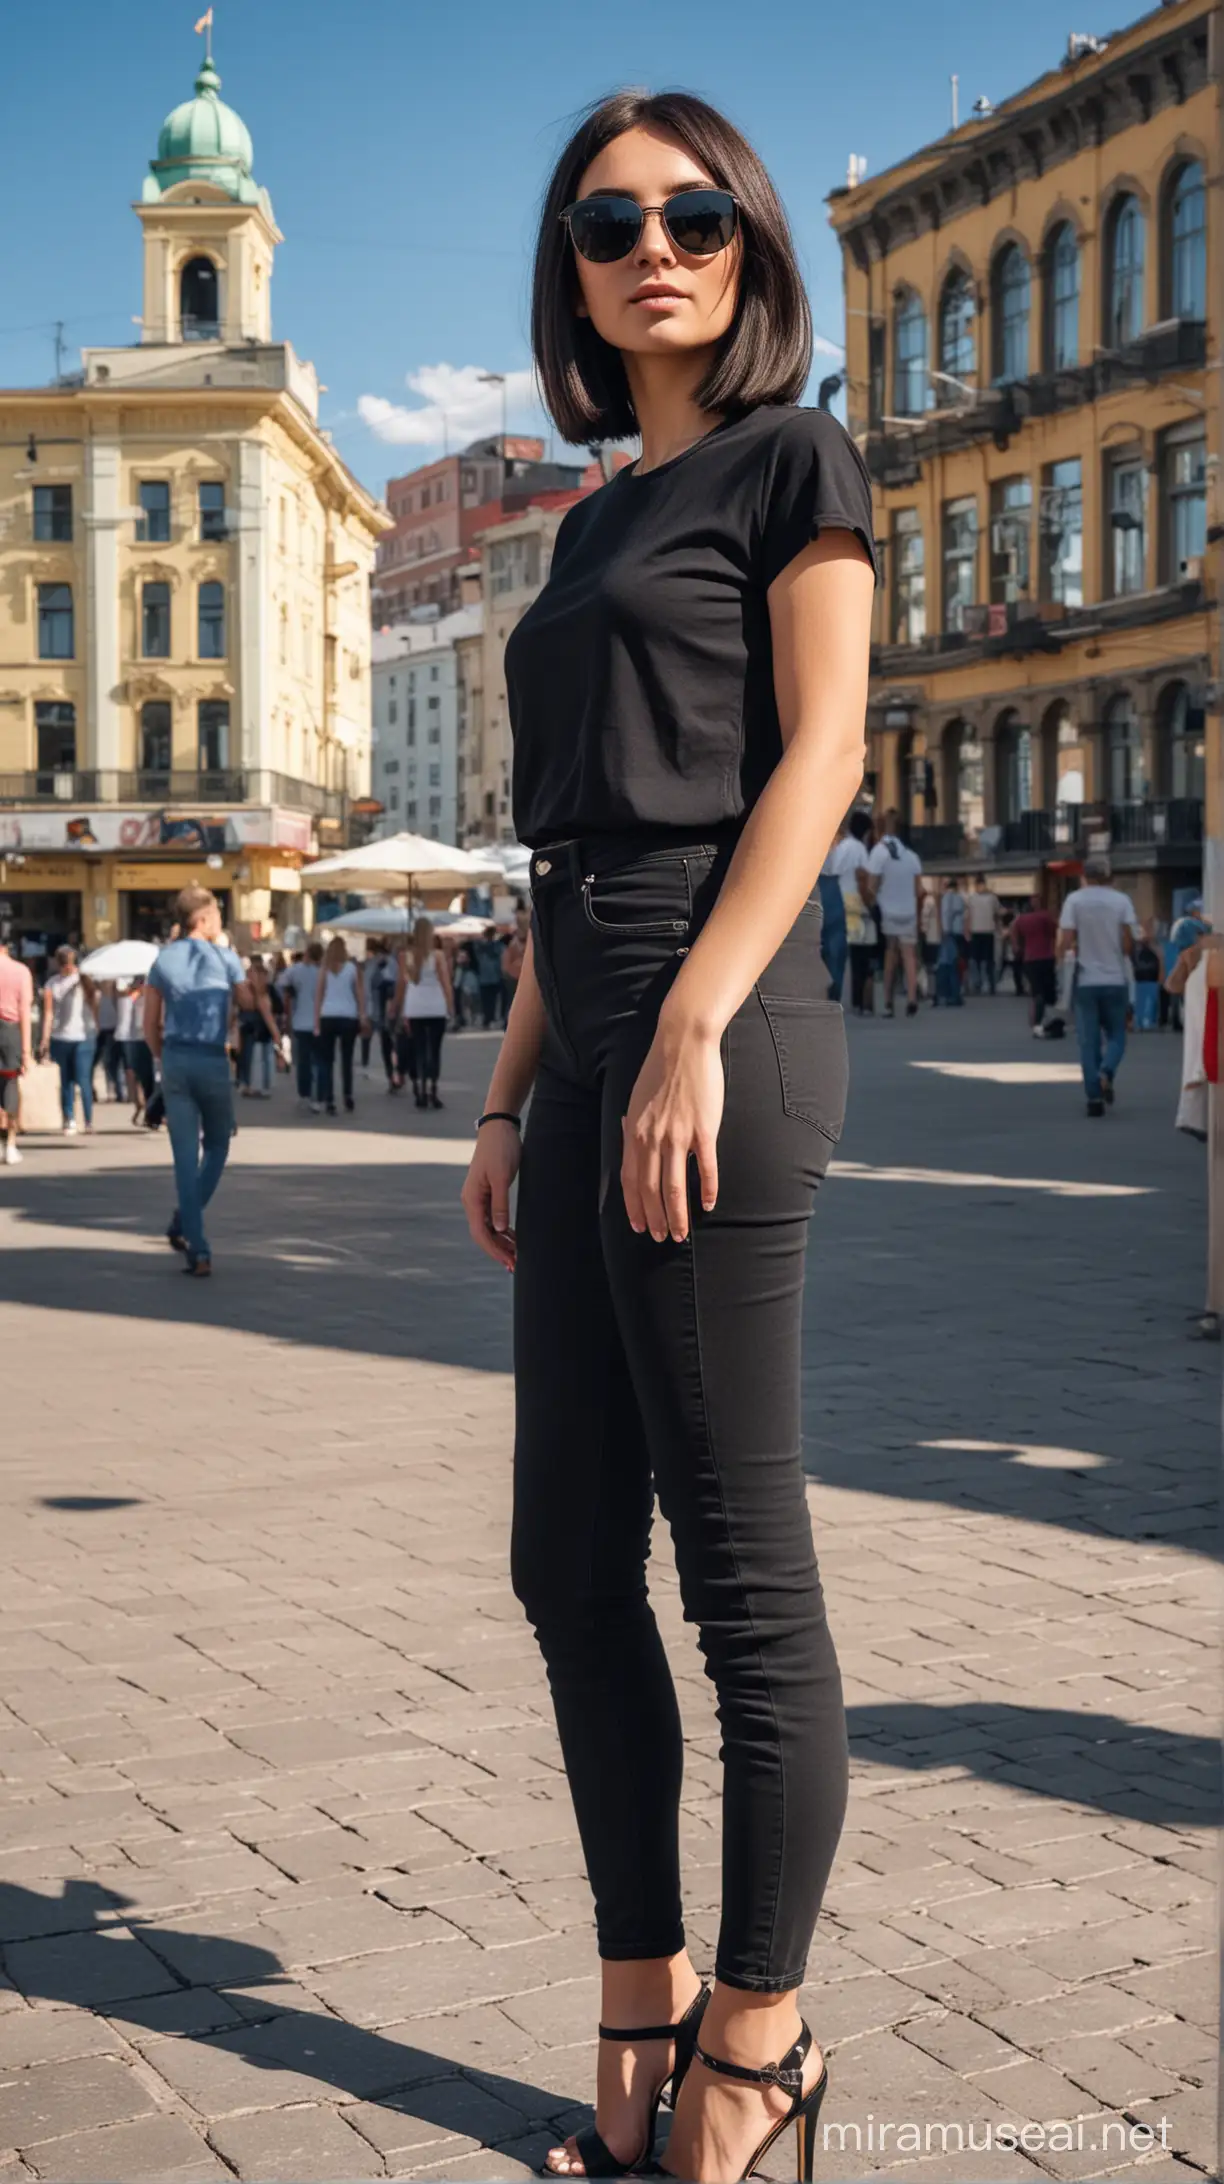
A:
70, 1035
339, 1015
134, 1049
424, 1004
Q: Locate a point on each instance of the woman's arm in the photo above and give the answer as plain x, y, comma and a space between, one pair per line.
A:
820, 617
486, 1191
320, 982
444, 980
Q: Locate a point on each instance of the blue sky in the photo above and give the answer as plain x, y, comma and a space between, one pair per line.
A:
405, 147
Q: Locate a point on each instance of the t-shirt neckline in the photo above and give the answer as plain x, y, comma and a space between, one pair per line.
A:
640, 477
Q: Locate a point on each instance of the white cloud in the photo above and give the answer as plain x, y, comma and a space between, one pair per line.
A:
826, 348
455, 406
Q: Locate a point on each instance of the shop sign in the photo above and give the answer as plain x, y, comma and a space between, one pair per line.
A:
205, 832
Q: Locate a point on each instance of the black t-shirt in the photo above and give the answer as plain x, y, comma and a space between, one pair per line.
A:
640, 681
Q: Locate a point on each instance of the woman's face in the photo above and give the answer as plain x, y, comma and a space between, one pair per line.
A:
658, 301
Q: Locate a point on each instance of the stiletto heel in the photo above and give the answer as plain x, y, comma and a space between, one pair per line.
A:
804, 2108
597, 2157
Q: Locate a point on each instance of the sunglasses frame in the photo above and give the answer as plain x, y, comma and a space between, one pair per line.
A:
712, 189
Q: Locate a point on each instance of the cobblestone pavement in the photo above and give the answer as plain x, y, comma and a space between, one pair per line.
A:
288, 1875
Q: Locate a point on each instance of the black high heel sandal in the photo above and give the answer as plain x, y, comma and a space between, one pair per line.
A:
804, 2108
596, 2156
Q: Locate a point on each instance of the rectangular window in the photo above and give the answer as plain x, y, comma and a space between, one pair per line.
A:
153, 522
393, 800
877, 350
433, 677
213, 722
212, 508
1185, 476
53, 514
435, 807
55, 728
412, 720
55, 625
391, 765
1128, 525
392, 712
908, 578
959, 560
155, 621
156, 730
435, 733
211, 634
1011, 530
1061, 526
435, 777
434, 704
411, 808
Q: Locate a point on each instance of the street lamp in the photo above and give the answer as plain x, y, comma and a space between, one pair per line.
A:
498, 379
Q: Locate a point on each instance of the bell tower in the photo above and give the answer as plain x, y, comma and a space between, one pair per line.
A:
209, 230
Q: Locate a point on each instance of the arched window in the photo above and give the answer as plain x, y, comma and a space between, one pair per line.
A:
1186, 243
909, 356
1124, 303
1062, 732
1010, 304
199, 301
957, 339
155, 737
1127, 784
1062, 281
1014, 746
1182, 748
970, 781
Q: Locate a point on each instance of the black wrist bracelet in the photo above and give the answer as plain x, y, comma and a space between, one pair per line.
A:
498, 1114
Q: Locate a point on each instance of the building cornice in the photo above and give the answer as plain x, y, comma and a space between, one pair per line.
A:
1078, 107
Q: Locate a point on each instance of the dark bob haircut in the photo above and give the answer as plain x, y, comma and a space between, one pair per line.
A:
766, 353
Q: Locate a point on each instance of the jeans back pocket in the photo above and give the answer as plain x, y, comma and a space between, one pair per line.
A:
809, 1040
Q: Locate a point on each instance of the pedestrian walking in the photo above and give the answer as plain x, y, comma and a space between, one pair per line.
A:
191, 988
513, 952
381, 979
424, 1005
299, 986
70, 1035
686, 696
488, 953
860, 925
1035, 941
982, 914
16, 1012
258, 1035
949, 974
894, 874
339, 1016
930, 933
1149, 972
1098, 927
134, 1047
107, 1057
467, 990
834, 945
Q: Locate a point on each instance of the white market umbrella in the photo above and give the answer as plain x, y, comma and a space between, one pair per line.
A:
120, 959
390, 867
391, 918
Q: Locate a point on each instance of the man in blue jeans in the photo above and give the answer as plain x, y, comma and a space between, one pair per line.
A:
1099, 927
192, 986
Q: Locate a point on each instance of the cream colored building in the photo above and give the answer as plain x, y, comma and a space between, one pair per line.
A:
515, 558
184, 587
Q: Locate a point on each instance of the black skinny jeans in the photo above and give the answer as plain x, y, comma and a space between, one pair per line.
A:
335, 1031
643, 1366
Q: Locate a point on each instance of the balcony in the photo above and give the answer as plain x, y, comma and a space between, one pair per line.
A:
1037, 625
1173, 823
216, 785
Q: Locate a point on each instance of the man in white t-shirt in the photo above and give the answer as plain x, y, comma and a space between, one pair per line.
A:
299, 985
837, 874
982, 913
893, 876
1099, 927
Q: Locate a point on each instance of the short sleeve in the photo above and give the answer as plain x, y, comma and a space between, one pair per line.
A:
156, 977
818, 482
1066, 923
233, 967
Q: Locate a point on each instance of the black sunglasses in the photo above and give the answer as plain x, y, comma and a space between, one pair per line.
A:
698, 222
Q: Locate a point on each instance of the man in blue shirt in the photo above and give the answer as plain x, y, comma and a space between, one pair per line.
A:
192, 986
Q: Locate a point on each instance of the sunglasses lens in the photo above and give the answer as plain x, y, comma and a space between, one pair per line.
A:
605, 228
701, 222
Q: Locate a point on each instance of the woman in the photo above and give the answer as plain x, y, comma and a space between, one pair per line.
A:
339, 1015
70, 1035
467, 989
687, 696
257, 1043
861, 935
133, 1046
424, 1005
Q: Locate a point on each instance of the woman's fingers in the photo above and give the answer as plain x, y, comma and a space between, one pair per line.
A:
631, 1182
706, 1150
674, 1187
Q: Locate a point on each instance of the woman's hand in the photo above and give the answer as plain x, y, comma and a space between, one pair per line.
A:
486, 1190
675, 1111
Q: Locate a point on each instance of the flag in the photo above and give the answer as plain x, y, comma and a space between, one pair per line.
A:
205, 22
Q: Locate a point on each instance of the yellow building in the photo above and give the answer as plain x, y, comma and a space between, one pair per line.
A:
1033, 370
184, 588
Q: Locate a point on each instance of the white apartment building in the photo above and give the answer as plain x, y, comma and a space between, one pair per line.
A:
417, 727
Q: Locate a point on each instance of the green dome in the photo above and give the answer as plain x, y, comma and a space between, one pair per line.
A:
204, 140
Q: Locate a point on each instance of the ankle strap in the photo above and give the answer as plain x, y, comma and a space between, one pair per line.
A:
696, 2009
788, 2074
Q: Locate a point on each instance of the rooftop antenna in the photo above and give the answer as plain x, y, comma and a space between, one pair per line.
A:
59, 350
956, 102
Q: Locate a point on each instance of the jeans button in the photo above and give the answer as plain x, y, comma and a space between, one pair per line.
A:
543, 865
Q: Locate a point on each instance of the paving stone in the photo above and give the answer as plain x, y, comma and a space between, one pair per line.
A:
283, 2145
87, 1968
161, 2149
49, 2100
52, 2036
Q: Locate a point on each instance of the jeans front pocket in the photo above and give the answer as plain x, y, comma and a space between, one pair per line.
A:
653, 896
809, 1040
